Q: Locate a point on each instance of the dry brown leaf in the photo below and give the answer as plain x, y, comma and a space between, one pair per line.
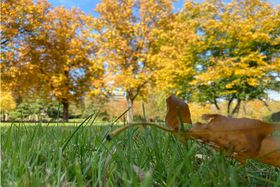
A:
177, 110
243, 138
243, 135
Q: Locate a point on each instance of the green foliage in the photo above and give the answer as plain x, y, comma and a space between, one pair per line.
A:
54, 110
34, 110
26, 109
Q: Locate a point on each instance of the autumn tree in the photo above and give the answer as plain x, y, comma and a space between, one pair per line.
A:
242, 54
7, 103
67, 55
214, 50
55, 58
20, 21
125, 29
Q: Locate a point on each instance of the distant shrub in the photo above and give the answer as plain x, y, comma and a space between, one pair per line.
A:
54, 111
275, 117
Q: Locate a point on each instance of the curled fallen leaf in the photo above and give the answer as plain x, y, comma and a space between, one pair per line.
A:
245, 138
242, 138
177, 110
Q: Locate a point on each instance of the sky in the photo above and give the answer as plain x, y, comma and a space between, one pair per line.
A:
88, 7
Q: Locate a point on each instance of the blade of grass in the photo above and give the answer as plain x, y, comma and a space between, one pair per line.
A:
59, 167
76, 130
119, 130
110, 127
120, 116
94, 118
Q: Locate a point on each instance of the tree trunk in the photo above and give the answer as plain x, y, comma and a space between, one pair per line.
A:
6, 117
144, 111
129, 105
236, 108
216, 104
229, 106
65, 104
18, 100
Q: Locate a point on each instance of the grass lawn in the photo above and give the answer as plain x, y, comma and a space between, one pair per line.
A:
33, 156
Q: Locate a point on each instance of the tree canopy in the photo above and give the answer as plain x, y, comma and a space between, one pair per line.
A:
215, 50
205, 52
55, 58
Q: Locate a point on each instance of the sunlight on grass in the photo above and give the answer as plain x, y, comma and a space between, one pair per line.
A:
32, 156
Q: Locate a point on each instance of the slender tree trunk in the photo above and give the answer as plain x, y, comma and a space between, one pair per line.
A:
129, 105
144, 111
18, 100
65, 104
229, 106
216, 104
82, 104
236, 108
5, 117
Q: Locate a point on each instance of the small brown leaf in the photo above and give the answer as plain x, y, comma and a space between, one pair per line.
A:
177, 110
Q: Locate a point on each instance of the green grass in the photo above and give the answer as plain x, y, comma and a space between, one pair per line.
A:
32, 156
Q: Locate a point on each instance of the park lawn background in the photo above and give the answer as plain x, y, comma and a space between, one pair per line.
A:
33, 156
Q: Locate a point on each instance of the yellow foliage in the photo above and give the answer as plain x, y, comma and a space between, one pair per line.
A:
253, 82
240, 44
7, 101
125, 39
